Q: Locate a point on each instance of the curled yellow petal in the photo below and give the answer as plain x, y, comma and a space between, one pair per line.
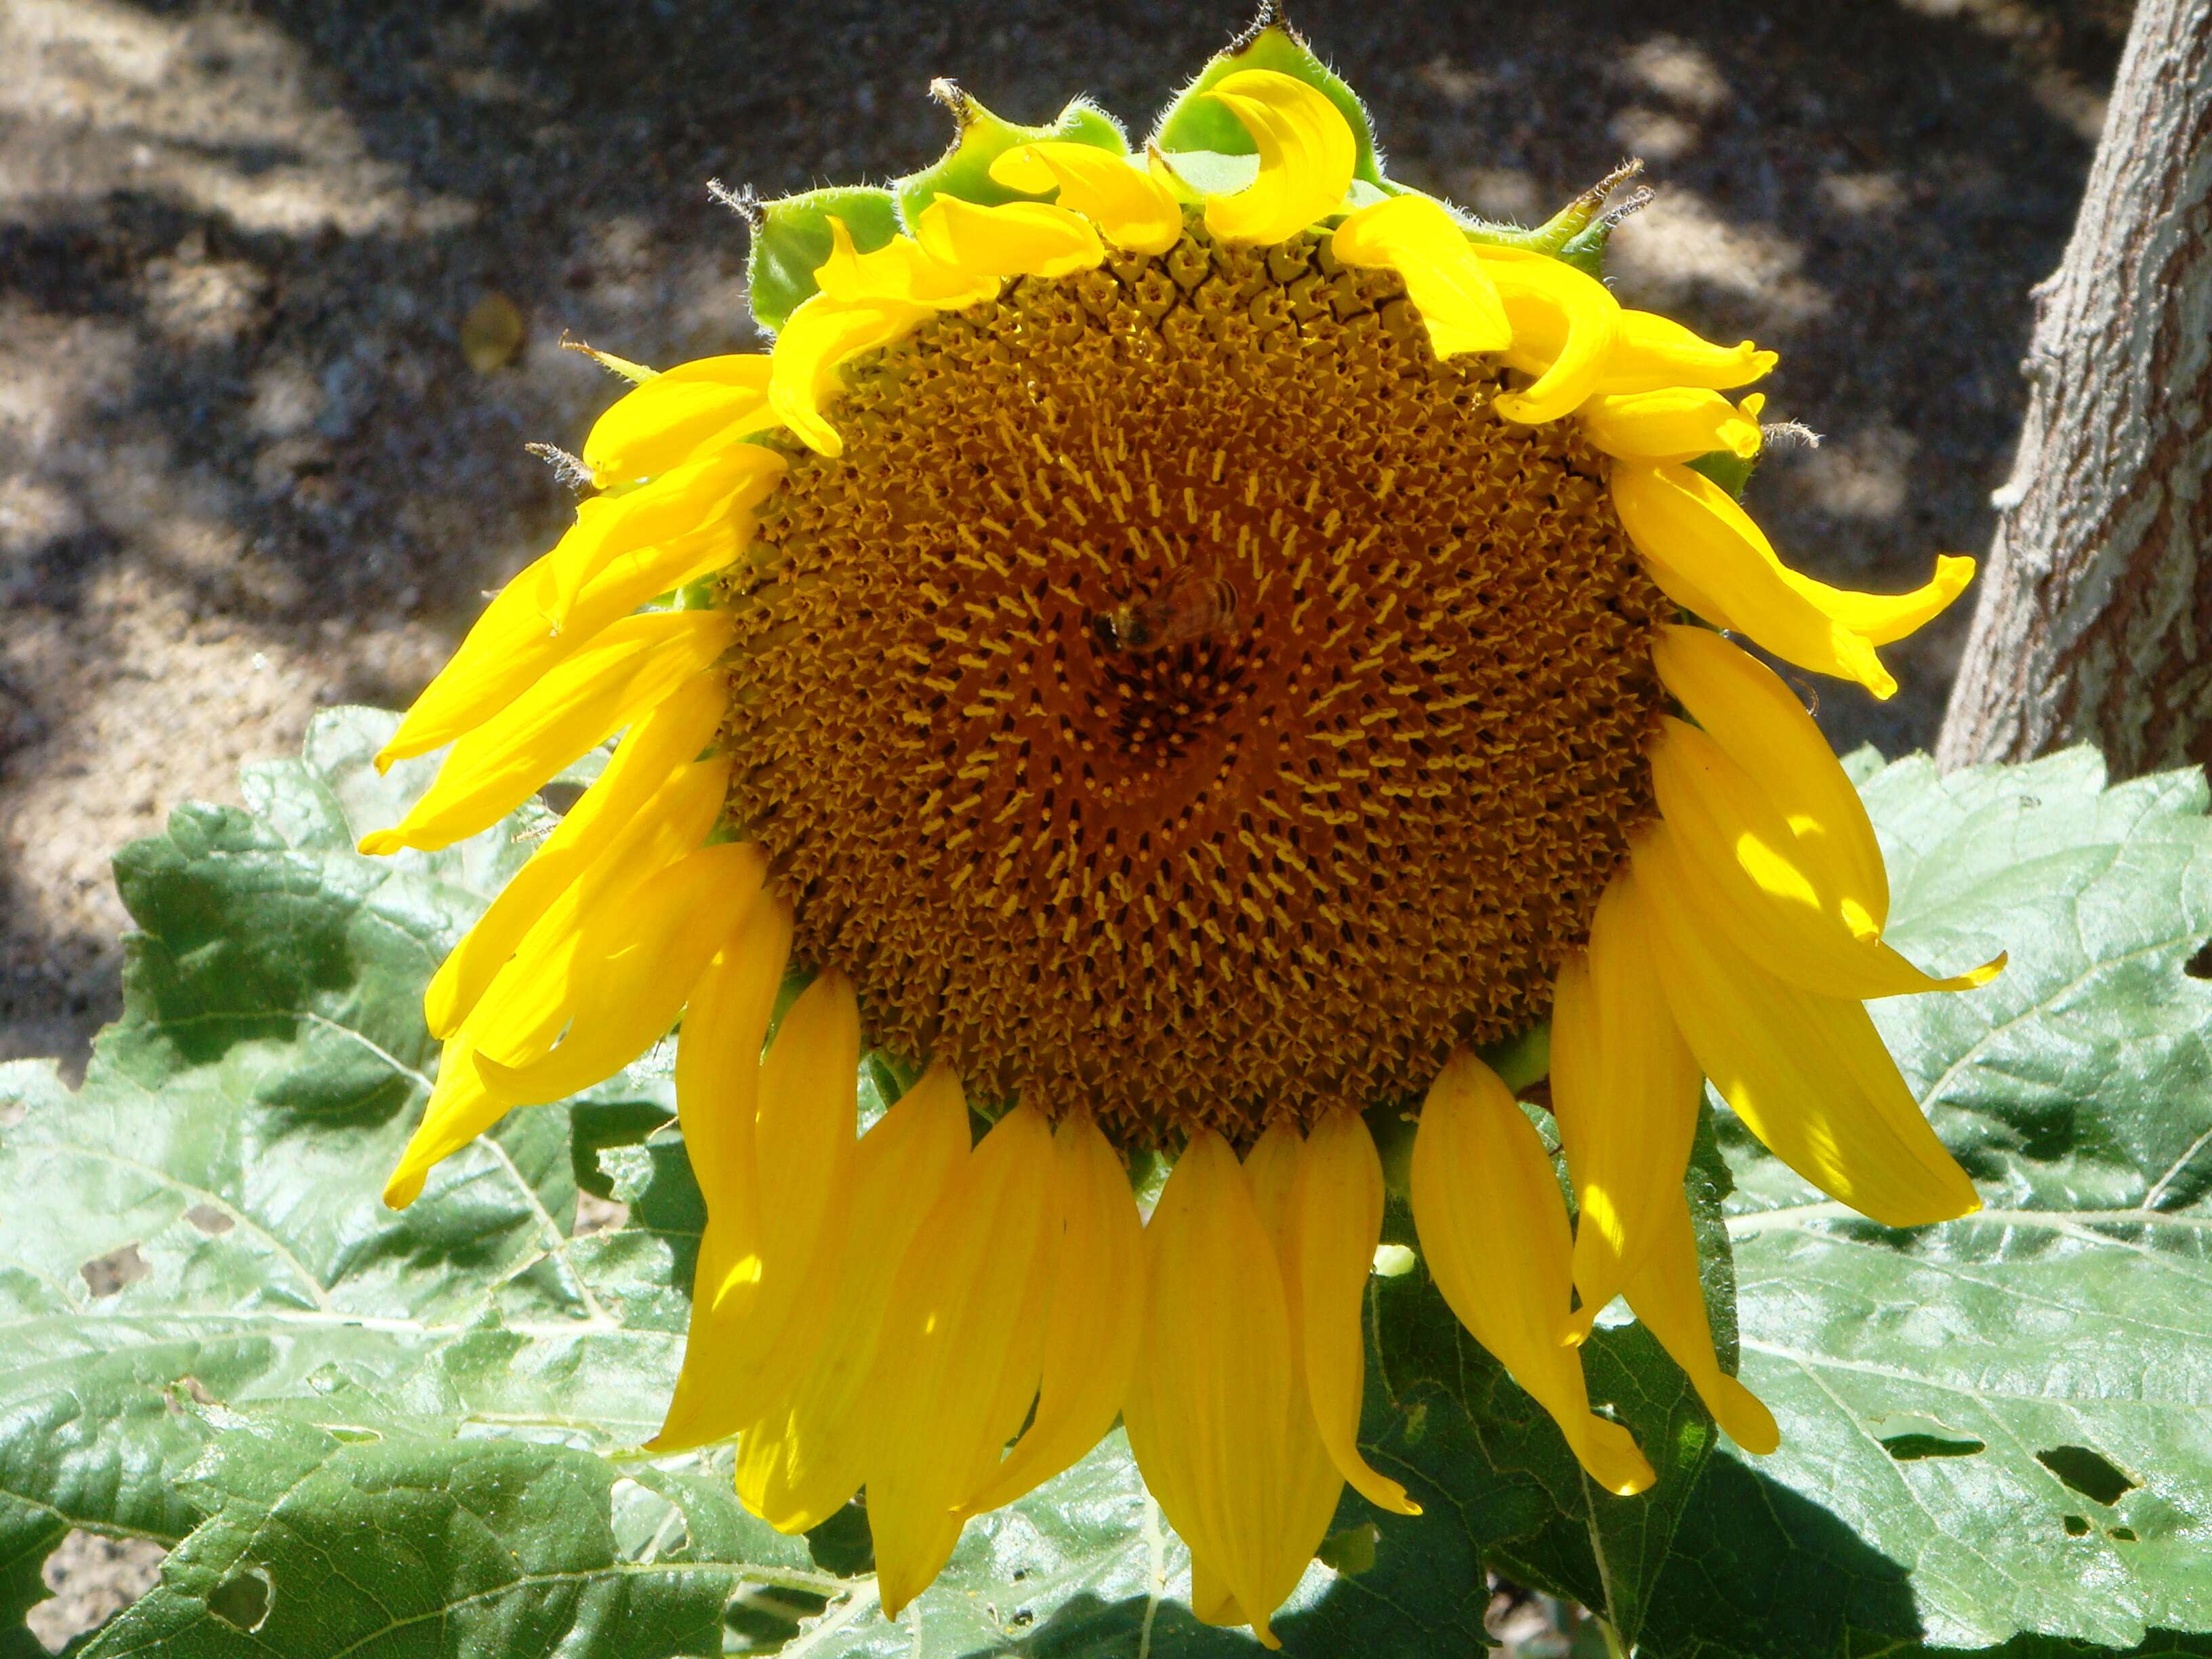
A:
1651, 353
1881, 618
669, 419
803, 1461
1307, 153
1015, 238
1669, 1298
1625, 1092
1215, 1413
621, 797
822, 334
1458, 302
1783, 902
1096, 1320
901, 270
620, 676
1700, 547
718, 1057
961, 1349
1676, 423
1335, 1222
1494, 1231
1131, 210
1807, 1073
1564, 324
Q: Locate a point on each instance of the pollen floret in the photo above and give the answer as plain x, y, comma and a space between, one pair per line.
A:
1183, 649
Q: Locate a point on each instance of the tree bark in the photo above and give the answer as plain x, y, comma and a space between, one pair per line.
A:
2095, 619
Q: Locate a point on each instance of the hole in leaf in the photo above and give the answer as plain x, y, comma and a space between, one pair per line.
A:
2123, 1534
1912, 1448
2077, 1526
2200, 966
354, 1436
93, 1579
1352, 1550
1023, 1619
2094, 1476
106, 1274
210, 1220
242, 1600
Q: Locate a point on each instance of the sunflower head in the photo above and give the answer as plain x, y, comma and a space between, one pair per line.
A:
1185, 645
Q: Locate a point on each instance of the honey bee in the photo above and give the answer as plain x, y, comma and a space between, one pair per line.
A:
1192, 605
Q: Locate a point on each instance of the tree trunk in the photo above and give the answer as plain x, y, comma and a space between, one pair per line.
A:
2095, 623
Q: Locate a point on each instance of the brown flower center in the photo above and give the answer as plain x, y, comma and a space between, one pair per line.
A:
1185, 698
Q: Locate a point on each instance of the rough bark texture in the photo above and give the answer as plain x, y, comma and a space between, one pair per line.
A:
2095, 619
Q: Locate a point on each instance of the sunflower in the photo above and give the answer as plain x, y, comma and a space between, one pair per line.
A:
1191, 651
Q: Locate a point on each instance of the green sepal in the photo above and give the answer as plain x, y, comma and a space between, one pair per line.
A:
791, 240
964, 170
1577, 233
1730, 470
1194, 122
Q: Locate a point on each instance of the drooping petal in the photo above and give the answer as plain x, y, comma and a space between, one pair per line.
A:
1625, 1092
633, 977
1494, 1231
623, 674
808, 1455
961, 1349
1759, 724
1336, 1221
458, 1111
1654, 352
1881, 618
1014, 239
1807, 1073
1131, 210
1307, 153
1669, 1298
822, 334
717, 1099
655, 747
1676, 423
1781, 900
1693, 540
704, 404
1564, 327
901, 270
1095, 1321
1458, 302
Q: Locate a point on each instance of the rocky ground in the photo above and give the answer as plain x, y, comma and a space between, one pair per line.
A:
254, 459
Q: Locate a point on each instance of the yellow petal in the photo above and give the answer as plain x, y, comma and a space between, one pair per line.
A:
1654, 352
1015, 238
1881, 618
660, 744
801, 1463
717, 1097
1697, 542
1564, 327
623, 673
458, 1111
1783, 902
632, 975
1677, 423
1215, 1413
667, 419
1336, 1221
1625, 1092
1307, 153
900, 271
819, 335
958, 1364
1131, 209
1096, 1318
1494, 1231
712, 494
1807, 1073
1458, 302
1669, 1298
1211, 1601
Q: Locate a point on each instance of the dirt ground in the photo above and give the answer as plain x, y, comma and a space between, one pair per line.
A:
248, 469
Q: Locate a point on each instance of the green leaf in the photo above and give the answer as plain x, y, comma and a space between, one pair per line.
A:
1195, 121
980, 137
791, 241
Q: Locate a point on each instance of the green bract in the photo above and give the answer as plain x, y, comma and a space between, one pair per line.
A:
365, 1432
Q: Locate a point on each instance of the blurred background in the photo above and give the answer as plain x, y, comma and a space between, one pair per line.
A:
282, 287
